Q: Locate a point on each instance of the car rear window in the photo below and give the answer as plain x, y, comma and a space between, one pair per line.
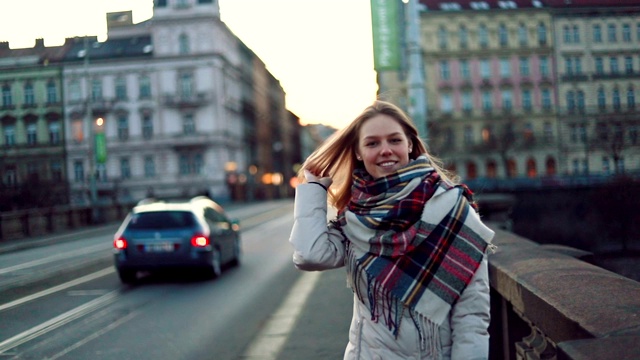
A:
162, 220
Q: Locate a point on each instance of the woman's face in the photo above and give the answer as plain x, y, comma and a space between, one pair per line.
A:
383, 146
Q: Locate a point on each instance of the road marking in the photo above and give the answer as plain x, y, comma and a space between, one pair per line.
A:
80, 280
58, 321
48, 259
93, 336
270, 340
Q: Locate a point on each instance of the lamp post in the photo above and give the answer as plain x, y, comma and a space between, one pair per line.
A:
416, 79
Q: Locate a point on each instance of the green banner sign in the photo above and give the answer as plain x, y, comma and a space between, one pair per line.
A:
385, 25
101, 148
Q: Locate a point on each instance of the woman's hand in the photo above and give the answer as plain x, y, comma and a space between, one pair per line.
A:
325, 182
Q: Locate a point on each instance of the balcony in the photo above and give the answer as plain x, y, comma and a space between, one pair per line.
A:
183, 101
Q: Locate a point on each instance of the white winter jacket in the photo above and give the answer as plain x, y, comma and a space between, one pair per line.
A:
319, 247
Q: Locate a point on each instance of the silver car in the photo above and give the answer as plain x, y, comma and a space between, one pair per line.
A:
188, 234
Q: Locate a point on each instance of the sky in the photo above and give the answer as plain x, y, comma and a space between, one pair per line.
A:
320, 50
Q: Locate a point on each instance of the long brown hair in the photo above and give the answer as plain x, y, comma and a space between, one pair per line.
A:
336, 157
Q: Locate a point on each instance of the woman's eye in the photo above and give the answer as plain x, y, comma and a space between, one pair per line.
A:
395, 141
371, 143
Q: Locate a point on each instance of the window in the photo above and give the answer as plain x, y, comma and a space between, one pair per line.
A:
611, 34
580, 100
161, 3
532, 172
125, 168
626, 33
7, 99
56, 170
487, 134
29, 96
188, 125
631, 98
9, 135
52, 92
472, 171
183, 42
526, 100
442, 37
191, 163
613, 65
546, 99
544, 66
628, 64
77, 131
32, 134
507, 100
503, 35
186, 86
144, 85
75, 93
568, 65
149, 166
616, 99
446, 105
492, 169
445, 73
485, 69
78, 171
96, 89
10, 178
465, 73
147, 126
571, 101
121, 88
463, 34
566, 34
599, 66
542, 34
468, 135
575, 34
522, 35
597, 33
505, 68
123, 127
483, 36
467, 101
54, 133
524, 66
602, 99
486, 101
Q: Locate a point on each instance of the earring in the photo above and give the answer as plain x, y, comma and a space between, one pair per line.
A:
410, 150
358, 158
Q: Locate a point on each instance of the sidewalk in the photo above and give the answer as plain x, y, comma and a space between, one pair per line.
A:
322, 329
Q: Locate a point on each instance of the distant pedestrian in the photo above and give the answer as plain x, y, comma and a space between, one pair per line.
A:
408, 234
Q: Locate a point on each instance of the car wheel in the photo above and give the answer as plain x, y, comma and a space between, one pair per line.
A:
237, 253
215, 269
128, 276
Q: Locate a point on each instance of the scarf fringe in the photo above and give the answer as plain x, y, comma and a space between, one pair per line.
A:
429, 333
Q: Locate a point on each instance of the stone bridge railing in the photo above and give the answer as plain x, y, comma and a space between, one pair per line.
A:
552, 303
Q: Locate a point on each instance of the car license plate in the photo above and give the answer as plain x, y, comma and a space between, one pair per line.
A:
159, 247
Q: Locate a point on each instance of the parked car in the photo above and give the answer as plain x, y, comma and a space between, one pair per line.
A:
157, 235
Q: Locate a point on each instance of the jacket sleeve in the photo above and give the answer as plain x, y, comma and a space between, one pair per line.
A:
470, 318
317, 245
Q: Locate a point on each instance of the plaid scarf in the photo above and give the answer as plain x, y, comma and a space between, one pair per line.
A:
413, 242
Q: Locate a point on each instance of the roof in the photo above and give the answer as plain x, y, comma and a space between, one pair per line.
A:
133, 46
38, 54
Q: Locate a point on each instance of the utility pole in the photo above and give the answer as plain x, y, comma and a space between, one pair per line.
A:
91, 138
416, 78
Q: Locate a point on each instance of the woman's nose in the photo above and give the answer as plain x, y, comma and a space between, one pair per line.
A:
386, 149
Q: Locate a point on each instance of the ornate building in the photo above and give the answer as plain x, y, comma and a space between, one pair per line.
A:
32, 152
174, 106
520, 90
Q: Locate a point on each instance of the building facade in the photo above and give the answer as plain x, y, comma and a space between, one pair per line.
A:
32, 152
175, 106
520, 90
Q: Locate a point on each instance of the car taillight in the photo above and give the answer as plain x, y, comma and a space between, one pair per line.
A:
200, 241
120, 243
